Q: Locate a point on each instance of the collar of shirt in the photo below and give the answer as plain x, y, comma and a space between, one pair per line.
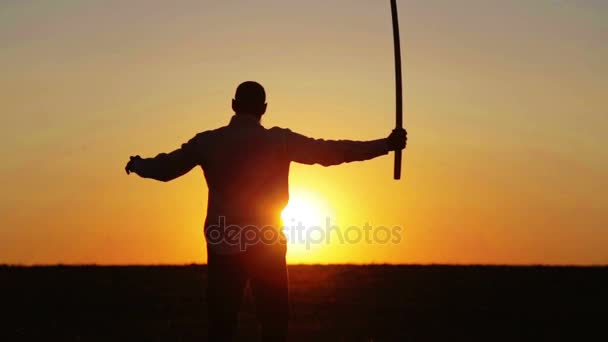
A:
244, 120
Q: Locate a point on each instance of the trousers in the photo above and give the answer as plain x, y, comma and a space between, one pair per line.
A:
265, 268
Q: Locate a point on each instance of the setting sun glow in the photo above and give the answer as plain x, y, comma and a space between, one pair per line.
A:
302, 209
305, 213
506, 160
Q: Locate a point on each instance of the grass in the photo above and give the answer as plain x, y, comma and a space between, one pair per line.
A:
332, 303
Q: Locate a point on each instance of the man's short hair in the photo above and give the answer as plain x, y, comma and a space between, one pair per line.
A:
250, 95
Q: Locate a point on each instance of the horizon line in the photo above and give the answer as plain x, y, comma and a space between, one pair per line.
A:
9, 265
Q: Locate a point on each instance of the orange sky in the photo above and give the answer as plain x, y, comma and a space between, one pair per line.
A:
505, 103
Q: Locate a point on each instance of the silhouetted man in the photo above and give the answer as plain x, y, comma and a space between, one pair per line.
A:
246, 167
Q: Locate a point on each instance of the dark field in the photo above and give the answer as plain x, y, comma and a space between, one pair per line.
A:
333, 303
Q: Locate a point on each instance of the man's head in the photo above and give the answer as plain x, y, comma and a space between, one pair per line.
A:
250, 99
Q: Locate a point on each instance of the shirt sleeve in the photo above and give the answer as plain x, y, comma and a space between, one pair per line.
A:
305, 150
168, 166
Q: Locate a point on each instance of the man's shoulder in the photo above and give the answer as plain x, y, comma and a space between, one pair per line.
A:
224, 131
281, 131
209, 133
286, 133
277, 129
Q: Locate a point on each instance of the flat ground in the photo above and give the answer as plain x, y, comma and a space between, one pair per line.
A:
333, 303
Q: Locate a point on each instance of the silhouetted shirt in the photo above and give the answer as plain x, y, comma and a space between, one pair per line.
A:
247, 167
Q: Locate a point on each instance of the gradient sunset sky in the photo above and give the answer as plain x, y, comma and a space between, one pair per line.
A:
506, 105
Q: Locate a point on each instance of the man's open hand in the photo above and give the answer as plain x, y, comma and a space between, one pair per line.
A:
397, 140
133, 164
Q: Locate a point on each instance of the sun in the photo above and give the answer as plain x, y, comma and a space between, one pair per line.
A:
302, 210
304, 221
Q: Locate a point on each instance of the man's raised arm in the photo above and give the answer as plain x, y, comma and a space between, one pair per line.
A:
307, 150
167, 166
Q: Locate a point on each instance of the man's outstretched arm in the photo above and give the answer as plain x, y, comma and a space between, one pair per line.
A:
166, 166
307, 150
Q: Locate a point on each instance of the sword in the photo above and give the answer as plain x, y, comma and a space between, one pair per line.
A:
398, 86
